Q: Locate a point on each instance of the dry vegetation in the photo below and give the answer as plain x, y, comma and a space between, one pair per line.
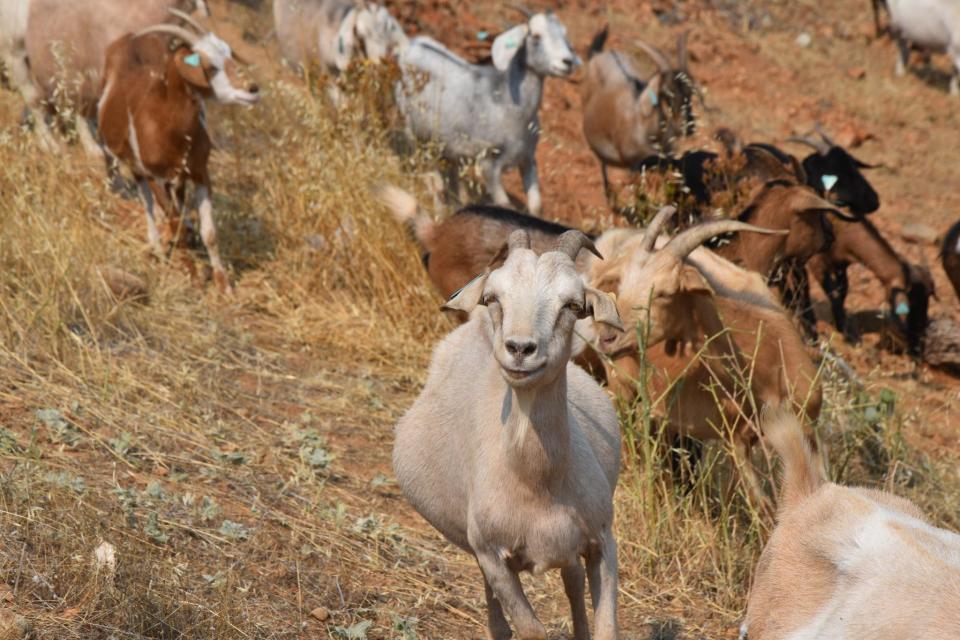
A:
236, 451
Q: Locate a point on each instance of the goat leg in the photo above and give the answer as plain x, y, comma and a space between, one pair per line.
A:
903, 56
602, 573
153, 233
531, 185
497, 627
506, 587
208, 232
573, 577
492, 180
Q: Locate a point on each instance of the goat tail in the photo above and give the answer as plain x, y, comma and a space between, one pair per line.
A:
598, 42
801, 470
405, 209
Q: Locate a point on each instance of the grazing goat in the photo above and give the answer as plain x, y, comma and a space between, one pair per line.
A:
950, 256
331, 33
932, 24
66, 46
835, 175
487, 113
908, 287
627, 117
151, 116
718, 344
849, 563
511, 451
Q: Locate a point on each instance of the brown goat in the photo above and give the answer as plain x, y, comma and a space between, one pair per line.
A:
706, 350
908, 287
629, 115
151, 117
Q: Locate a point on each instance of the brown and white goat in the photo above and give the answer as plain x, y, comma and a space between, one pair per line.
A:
629, 115
151, 117
849, 563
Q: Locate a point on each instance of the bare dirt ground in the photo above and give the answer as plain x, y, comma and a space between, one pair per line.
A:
237, 452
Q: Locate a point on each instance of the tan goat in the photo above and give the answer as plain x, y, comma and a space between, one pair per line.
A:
717, 353
849, 563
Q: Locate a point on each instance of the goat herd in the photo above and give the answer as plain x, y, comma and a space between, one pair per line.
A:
512, 450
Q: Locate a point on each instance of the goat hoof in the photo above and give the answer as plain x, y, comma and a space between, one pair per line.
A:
222, 282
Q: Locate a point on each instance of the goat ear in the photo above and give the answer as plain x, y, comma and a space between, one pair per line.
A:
603, 308
650, 97
468, 296
506, 46
346, 39
692, 281
190, 67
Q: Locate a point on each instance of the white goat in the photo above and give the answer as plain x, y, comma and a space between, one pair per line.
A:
849, 563
933, 24
483, 112
332, 33
511, 451
13, 53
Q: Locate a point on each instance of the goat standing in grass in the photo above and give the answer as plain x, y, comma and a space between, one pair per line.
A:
511, 451
487, 113
849, 563
151, 116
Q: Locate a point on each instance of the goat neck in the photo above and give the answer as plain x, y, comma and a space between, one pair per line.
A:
536, 434
525, 86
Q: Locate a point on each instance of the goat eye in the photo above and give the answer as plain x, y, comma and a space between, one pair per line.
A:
489, 299
535, 38
575, 307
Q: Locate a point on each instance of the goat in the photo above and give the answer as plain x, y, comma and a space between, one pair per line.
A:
709, 326
511, 451
835, 174
488, 113
908, 287
932, 24
66, 45
627, 118
847, 563
151, 116
13, 53
950, 256
334, 32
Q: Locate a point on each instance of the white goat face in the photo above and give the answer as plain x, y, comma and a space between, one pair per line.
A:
533, 302
548, 50
216, 59
379, 32
544, 42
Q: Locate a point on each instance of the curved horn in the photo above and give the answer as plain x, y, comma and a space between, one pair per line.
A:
572, 241
171, 30
523, 10
682, 245
682, 53
655, 54
823, 135
190, 21
518, 239
821, 147
653, 229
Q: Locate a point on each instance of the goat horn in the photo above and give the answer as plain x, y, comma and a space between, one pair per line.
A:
523, 10
823, 135
171, 30
655, 54
518, 239
682, 245
653, 229
190, 21
682, 54
572, 241
821, 147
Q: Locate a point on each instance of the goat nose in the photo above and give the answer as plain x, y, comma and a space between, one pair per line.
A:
253, 89
520, 347
569, 62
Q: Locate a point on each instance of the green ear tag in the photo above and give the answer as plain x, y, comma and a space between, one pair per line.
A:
193, 59
902, 309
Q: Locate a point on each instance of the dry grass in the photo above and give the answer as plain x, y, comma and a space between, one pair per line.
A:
236, 451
